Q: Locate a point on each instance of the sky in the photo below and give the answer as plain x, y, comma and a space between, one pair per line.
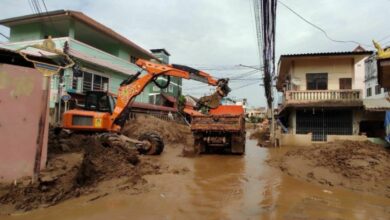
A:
217, 36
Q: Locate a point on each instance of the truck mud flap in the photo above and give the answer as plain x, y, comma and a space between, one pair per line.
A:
238, 143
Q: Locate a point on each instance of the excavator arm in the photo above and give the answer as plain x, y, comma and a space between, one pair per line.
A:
133, 86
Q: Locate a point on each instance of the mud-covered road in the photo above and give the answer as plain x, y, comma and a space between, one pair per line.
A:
221, 187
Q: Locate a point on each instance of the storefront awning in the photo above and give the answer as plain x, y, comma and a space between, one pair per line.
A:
376, 105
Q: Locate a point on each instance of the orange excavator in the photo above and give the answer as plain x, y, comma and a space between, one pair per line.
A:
103, 112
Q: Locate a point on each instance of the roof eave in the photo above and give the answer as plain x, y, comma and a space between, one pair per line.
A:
83, 18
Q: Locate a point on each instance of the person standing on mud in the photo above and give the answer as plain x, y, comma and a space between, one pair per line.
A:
170, 116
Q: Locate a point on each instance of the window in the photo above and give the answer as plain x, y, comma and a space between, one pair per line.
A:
133, 59
105, 83
345, 83
317, 81
87, 81
378, 90
97, 82
369, 92
156, 89
170, 88
74, 82
155, 99
91, 82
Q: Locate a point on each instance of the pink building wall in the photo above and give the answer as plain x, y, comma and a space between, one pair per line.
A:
21, 91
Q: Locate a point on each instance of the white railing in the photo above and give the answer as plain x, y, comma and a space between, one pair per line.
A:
323, 95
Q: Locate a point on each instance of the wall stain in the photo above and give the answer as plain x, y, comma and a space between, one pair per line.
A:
20, 85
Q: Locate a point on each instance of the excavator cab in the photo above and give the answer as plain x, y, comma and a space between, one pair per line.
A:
99, 101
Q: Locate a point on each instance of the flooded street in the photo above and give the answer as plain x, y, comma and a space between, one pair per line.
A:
222, 187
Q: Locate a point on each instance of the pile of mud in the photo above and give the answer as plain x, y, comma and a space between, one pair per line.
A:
171, 132
361, 166
262, 136
77, 164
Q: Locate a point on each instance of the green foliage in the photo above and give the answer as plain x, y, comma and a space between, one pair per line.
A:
181, 102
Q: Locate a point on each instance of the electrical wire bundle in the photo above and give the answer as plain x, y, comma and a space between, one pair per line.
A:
265, 18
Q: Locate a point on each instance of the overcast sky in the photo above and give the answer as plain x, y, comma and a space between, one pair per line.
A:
220, 34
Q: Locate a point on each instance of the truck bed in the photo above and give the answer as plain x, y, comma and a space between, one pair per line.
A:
225, 118
217, 123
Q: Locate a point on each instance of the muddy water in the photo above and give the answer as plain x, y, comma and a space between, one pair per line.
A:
222, 187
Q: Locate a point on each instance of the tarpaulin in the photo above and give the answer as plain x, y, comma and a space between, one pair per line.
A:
387, 126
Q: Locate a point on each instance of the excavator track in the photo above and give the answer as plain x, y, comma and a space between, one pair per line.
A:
149, 143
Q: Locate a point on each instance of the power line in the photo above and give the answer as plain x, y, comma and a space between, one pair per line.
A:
249, 73
240, 76
321, 29
222, 67
384, 38
5, 36
385, 43
31, 7
265, 18
36, 7
44, 4
251, 9
244, 86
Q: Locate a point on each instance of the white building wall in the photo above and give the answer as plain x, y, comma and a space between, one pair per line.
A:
372, 83
371, 80
359, 69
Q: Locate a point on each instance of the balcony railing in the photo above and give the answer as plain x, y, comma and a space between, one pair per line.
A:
322, 95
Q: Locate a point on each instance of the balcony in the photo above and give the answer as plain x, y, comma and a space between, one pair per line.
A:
325, 98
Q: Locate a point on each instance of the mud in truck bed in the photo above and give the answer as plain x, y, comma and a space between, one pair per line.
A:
222, 128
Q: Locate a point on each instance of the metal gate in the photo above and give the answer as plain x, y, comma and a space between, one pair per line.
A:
321, 122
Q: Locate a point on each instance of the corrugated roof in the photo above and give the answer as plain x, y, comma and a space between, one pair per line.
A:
168, 97
339, 53
100, 62
104, 59
81, 17
381, 104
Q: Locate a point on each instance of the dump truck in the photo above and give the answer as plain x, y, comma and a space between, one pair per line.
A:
222, 128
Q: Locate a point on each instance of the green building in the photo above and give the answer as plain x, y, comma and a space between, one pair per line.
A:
156, 95
105, 58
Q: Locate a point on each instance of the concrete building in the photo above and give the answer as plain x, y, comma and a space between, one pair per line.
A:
260, 112
322, 96
104, 58
373, 90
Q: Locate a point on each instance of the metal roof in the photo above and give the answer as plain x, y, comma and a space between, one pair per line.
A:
339, 53
381, 104
9, 22
147, 106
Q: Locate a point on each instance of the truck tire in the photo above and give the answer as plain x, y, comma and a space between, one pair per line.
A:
157, 144
199, 144
238, 144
